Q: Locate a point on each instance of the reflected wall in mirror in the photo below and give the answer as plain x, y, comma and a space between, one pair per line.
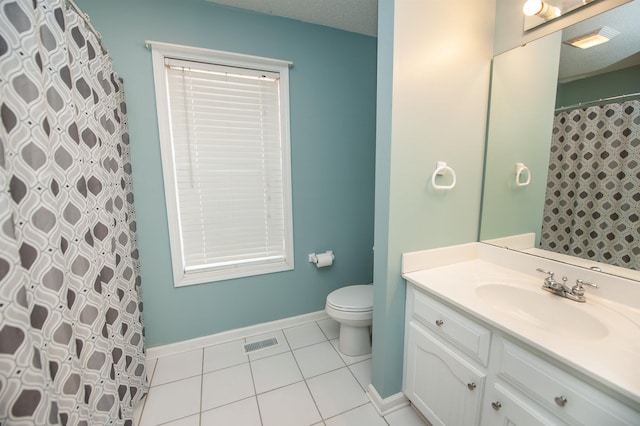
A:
528, 83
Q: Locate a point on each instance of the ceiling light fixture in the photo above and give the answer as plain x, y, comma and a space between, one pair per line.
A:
541, 9
593, 38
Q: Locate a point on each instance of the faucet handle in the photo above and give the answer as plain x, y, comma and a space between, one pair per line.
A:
551, 274
580, 283
578, 289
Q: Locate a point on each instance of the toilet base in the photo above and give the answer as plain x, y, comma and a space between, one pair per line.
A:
354, 341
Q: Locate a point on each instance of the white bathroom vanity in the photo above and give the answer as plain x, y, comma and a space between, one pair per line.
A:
486, 345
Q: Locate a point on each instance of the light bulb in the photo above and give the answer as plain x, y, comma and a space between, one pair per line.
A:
532, 7
541, 9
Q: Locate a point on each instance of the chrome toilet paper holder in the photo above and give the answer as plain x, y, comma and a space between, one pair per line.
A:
322, 259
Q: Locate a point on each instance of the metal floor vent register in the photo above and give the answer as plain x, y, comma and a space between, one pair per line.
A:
262, 344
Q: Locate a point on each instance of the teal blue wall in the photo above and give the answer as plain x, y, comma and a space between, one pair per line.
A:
333, 104
614, 83
388, 317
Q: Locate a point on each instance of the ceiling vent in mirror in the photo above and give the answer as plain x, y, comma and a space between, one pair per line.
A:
593, 38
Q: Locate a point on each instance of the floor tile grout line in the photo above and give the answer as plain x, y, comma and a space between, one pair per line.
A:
310, 344
348, 367
326, 372
224, 368
314, 400
282, 386
345, 365
307, 386
322, 329
354, 376
384, 418
255, 390
254, 395
343, 356
179, 418
226, 404
201, 387
319, 374
174, 381
286, 339
346, 411
181, 378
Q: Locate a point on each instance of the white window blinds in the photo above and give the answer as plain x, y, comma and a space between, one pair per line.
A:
230, 169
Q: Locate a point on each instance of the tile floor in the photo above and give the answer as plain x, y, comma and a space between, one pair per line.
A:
302, 381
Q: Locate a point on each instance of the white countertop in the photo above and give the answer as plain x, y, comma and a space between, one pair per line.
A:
599, 338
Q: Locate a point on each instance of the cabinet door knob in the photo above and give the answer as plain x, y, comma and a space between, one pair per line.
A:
560, 400
496, 405
439, 322
471, 386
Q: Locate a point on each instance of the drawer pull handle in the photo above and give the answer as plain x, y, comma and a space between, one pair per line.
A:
560, 400
496, 405
439, 322
471, 386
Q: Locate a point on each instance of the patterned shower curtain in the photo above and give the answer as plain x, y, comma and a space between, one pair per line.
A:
71, 333
593, 186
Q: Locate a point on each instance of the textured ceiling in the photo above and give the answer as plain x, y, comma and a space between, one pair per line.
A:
621, 52
358, 16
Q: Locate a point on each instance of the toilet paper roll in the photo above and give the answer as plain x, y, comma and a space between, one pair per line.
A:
324, 259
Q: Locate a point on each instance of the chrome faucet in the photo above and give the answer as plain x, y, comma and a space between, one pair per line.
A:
553, 286
575, 293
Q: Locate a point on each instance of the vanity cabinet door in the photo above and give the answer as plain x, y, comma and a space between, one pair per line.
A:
445, 388
504, 407
562, 394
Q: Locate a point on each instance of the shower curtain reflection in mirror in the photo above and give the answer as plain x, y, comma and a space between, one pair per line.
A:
593, 185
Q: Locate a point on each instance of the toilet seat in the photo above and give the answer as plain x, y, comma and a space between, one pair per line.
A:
353, 298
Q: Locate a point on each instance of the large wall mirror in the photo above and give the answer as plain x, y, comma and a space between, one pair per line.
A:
562, 166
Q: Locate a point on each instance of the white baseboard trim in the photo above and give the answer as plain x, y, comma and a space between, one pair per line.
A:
389, 404
238, 333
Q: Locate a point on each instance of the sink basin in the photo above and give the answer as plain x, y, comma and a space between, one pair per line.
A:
543, 310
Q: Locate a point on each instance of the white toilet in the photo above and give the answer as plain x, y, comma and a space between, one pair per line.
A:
352, 307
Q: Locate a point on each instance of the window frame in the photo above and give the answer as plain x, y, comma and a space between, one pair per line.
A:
159, 52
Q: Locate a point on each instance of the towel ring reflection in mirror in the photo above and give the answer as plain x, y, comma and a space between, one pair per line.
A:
523, 175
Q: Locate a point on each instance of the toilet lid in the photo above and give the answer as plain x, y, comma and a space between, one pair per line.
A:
353, 298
